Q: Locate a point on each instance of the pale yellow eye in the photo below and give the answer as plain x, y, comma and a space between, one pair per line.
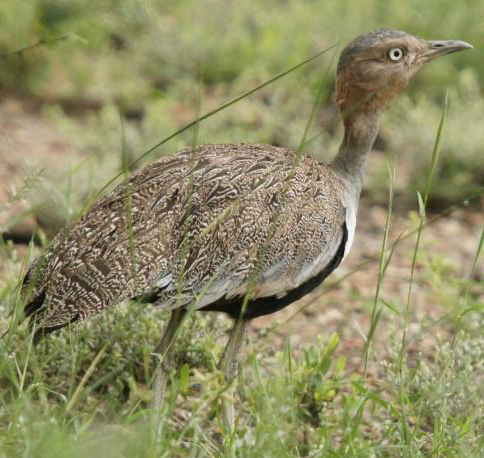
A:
395, 54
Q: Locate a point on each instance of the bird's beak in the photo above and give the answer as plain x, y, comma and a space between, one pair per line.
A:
441, 48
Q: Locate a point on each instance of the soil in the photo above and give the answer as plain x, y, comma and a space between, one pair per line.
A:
28, 143
344, 303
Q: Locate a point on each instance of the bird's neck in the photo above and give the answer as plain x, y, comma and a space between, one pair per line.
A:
361, 130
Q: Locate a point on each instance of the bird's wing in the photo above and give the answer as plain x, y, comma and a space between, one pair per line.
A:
261, 223
211, 215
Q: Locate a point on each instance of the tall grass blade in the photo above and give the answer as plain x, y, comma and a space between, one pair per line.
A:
422, 204
213, 112
376, 311
85, 378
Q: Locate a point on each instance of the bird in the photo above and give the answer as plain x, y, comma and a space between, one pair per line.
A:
244, 229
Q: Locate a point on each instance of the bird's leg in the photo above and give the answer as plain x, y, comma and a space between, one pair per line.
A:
164, 349
229, 363
231, 354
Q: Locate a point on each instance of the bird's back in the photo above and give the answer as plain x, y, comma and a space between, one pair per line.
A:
201, 227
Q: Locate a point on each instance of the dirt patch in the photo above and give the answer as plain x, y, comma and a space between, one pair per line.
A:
448, 247
28, 143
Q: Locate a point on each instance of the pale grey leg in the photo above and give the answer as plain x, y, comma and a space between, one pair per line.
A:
164, 348
229, 364
230, 359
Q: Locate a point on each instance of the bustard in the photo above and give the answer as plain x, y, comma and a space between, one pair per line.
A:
241, 229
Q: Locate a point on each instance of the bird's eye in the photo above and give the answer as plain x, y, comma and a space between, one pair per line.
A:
395, 54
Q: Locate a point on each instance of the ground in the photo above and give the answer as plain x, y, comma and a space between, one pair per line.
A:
331, 308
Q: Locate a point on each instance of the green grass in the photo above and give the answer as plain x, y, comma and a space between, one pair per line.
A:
307, 405
86, 391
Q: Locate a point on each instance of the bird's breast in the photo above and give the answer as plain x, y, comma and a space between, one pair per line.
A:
350, 226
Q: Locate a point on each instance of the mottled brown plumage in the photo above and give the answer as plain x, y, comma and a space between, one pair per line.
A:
244, 229
202, 216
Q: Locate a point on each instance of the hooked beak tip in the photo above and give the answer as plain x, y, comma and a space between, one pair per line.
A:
441, 48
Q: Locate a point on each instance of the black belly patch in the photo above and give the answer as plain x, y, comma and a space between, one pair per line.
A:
271, 304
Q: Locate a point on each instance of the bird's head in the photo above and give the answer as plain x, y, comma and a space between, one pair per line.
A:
376, 66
